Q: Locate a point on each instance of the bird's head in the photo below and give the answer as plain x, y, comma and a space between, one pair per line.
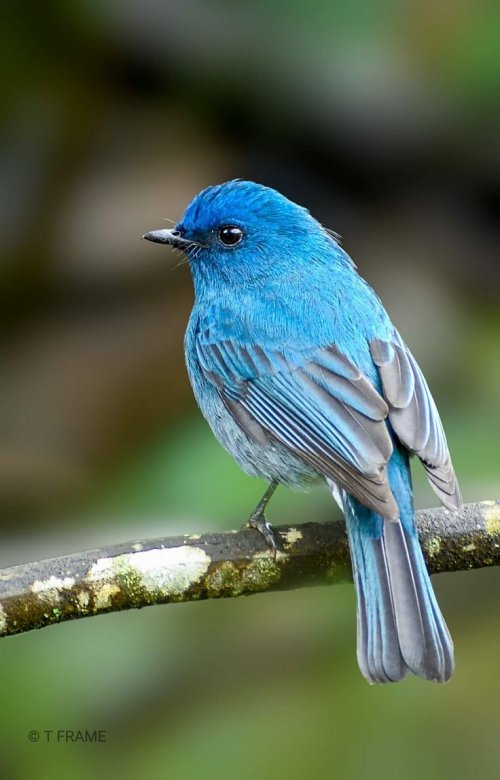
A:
240, 232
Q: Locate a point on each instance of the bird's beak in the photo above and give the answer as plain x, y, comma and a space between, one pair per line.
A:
172, 237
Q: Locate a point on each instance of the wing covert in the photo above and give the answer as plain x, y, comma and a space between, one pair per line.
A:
318, 405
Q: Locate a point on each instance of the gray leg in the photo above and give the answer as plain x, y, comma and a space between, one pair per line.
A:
258, 520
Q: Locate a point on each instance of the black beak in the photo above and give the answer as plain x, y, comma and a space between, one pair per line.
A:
171, 237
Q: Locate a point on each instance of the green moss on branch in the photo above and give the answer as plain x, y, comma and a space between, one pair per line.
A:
193, 567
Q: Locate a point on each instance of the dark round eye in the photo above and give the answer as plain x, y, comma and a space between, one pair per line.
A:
230, 235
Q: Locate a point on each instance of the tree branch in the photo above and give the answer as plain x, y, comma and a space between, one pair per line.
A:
235, 563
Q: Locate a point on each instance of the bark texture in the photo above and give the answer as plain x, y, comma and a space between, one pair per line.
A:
216, 565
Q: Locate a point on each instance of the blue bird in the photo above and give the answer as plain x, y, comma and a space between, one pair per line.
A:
302, 377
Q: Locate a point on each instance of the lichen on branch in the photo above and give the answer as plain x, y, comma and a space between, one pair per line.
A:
234, 563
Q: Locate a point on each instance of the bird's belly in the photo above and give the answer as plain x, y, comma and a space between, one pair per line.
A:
270, 461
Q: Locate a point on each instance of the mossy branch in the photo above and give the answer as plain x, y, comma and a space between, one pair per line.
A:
235, 563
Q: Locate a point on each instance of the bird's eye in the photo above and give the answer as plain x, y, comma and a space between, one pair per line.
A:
230, 235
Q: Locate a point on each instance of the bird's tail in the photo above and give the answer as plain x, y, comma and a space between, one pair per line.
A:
400, 626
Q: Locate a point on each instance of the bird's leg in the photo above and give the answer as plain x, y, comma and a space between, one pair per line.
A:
258, 520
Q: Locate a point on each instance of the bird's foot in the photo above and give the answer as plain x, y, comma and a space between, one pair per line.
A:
258, 521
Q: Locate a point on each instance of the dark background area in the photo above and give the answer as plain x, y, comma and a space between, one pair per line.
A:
382, 119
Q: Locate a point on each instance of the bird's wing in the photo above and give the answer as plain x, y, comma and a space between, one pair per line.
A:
320, 407
414, 416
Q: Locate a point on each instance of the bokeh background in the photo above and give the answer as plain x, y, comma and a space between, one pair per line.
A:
381, 119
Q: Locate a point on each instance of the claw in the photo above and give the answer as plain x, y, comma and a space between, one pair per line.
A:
259, 522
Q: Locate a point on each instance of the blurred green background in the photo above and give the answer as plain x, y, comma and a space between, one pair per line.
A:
381, 119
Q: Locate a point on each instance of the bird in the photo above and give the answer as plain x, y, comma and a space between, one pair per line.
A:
303, 378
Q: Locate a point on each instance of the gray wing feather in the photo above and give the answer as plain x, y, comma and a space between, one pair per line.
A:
293, 431
414, 416
320, 408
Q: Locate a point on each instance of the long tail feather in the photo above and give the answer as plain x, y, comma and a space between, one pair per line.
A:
400, 626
